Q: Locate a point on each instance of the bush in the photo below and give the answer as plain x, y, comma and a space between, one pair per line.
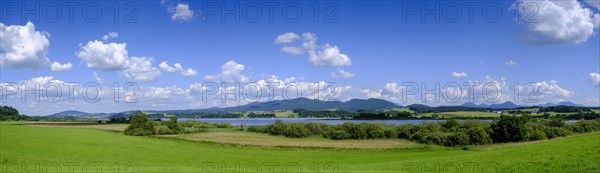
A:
356, 131
315, 128
438, 138
458, 139
174, 126
478, 135
223, 125
279, 128
374, 131
404, 131
390, 132
297, 130
140, 126
509, 129
450, 125
336, 134
554, 132
258, 129
585, 126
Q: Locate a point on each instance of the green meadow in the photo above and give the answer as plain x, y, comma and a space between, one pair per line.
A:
54, 149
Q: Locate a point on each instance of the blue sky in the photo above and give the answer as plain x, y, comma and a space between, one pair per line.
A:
378, 50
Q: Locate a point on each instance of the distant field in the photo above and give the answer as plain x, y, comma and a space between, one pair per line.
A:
402, 110
463, 114
92, 150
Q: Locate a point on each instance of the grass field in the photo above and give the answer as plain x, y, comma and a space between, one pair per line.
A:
264, 140
87, 150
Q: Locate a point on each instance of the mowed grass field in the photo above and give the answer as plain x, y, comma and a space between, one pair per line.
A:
46, 149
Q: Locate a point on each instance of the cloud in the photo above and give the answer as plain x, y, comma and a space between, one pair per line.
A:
326, 55
164, 66
595, 79
595, 3
342, 74
231, 72
114, 57
459, 74
61, 67
108, 57
140, 70
557, 21
287, 38
329, 56
510, 62
97, 78
180, 12
110, 35
23, 46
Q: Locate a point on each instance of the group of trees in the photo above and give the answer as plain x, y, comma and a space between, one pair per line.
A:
8, 113
261, 115
448, 133
303, 113
565, 109
382, 115
141, 126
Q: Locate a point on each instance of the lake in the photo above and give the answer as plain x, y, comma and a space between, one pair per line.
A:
268, 121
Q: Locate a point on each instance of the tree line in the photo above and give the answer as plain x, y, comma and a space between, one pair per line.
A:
448, 133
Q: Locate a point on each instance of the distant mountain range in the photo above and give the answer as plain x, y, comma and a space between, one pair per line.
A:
511, 105
303, 103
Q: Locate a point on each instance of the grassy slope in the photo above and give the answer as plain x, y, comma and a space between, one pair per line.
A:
21, 144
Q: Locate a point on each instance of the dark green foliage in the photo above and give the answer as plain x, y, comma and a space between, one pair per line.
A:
585, 126
356, 131
449, 133
565, 109
297, 130
122, 119
174, 126
478, 135
554, 132
509, 129
315, 128
140, 126
8, 113
450, 125
260, 115
336, 133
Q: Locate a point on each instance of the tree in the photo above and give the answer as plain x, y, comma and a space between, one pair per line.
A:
173, 125
140, 126
509, 129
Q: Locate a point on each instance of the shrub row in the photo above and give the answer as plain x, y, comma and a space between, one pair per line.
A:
141, 126
448, 133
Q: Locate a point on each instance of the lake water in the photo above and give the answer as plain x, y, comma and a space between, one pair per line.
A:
268, 121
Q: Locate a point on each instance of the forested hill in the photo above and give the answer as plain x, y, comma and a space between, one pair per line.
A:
300, 103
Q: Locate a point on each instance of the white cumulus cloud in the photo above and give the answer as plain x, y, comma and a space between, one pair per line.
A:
342, 74
287, 38
459, 74
557, 21
56, 66
231, 72
326, 55
510, 62
140, 70
104, 56
164, 66
110, 35
23, 46
181, 12
595, 79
